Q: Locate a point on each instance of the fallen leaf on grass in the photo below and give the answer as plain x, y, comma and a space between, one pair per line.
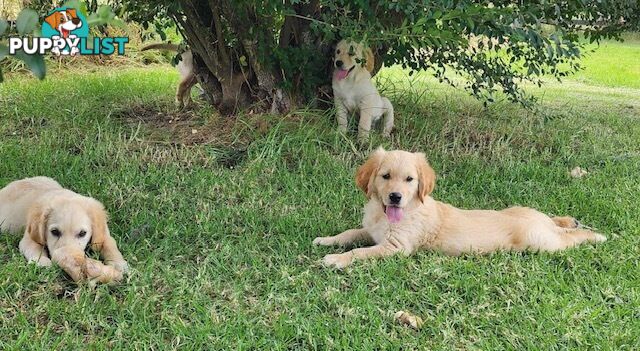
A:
407, 319
578, 172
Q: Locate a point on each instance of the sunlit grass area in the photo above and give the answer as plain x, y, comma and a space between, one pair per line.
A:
613, 64
216, 217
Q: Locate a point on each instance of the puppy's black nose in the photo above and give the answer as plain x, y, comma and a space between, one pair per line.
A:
75, 21
395, 198
339, 64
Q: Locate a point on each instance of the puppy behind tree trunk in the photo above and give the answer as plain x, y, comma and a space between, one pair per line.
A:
186, 69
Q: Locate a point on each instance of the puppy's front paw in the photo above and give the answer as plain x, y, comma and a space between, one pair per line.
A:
387, 132
100, 273
337, 260
121, 266
363, 138
324, 241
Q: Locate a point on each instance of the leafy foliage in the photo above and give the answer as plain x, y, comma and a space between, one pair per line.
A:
26, 23
495, 45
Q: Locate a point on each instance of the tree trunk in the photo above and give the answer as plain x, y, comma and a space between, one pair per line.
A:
231, 75
226, 38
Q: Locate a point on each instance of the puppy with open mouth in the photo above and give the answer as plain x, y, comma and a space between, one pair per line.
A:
354, 92
402, 217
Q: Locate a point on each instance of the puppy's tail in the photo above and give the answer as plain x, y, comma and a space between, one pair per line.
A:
161, 46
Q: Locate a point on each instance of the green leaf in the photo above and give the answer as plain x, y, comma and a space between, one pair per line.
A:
94, 20
105, 12
104, 15
34, 62
3, 26
118, 23
76, 4
4, 51
162, 34
27, 21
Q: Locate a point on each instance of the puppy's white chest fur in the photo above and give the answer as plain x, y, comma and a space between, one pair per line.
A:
357, 92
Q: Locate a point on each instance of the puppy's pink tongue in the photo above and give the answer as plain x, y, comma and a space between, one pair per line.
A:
394, 214
341, 74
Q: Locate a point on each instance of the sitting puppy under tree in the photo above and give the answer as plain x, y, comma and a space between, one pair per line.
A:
402, 217
58, 225
354, 91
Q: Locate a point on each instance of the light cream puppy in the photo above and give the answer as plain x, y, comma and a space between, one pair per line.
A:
58, 224
354, 92
401, 217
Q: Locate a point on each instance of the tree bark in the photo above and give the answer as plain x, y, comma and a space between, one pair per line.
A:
217, 69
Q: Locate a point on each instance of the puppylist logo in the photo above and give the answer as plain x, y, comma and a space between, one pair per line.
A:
65, 31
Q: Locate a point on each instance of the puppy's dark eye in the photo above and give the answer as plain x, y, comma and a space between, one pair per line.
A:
337, 52
55, 232
386, 176
82, 234
409, 179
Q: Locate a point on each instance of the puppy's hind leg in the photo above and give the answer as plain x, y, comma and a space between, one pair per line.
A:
577, 236
388, 117
571, 237
183, 93
187, 94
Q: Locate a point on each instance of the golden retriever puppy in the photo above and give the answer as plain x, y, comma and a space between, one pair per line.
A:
58, 225
354, 92
401, 217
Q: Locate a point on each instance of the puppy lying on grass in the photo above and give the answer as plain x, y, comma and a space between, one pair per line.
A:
58, 225
354, 92
401, 217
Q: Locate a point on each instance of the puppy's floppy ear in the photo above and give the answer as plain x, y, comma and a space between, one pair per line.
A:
37, 219
366, 173
53, 20
426, 177
370, 60
99, 228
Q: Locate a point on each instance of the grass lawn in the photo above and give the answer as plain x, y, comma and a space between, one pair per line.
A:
216, 218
